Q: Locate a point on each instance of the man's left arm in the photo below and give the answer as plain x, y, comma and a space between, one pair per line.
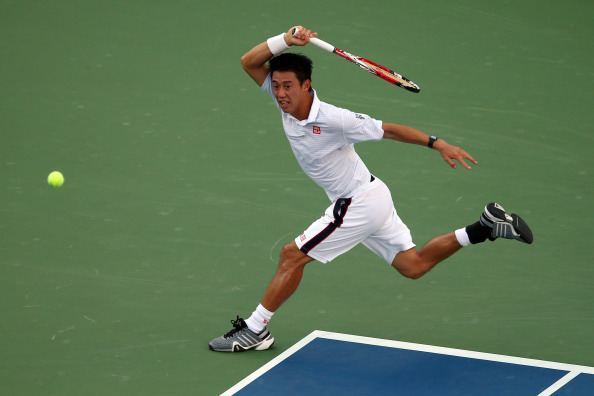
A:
407, 134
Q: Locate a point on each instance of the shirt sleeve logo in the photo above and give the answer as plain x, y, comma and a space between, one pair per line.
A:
359, 116
317, 130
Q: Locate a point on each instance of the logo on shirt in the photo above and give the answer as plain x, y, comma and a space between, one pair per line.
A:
317, 130
359, 116
302, 237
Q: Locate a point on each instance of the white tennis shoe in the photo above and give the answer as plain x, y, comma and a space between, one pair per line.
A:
241, 339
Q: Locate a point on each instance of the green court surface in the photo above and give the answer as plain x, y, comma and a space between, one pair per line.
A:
181, 187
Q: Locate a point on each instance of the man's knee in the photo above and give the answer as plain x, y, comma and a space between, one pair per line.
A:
409, 264
412, 272
289, 250
291, 257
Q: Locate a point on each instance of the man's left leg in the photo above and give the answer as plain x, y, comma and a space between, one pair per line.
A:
414, 264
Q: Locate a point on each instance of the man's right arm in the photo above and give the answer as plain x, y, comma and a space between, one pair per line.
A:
255, 61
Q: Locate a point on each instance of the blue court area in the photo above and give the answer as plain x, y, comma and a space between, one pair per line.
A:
331, 364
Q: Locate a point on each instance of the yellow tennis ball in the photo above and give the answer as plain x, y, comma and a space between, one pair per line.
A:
55, 179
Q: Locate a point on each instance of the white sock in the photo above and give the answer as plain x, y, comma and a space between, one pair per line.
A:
462, 237
259, 319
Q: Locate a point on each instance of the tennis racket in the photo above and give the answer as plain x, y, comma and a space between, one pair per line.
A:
365, 64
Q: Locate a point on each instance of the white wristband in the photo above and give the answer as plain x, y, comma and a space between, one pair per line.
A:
277, 44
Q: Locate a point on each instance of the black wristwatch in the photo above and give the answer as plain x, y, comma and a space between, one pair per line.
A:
432, 140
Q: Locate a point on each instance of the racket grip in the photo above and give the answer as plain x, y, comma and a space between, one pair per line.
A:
318, 43
322, 44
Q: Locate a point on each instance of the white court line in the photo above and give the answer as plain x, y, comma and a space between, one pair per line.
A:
454, 352
247, 380
573, 369
559, 384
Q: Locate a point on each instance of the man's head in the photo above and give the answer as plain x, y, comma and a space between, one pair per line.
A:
291, 83
299, 64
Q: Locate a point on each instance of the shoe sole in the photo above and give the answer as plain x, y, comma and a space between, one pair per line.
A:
521, 227
267, 343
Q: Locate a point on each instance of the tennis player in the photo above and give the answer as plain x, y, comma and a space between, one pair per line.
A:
322, 137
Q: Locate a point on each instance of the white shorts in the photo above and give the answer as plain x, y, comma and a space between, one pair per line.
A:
369, 218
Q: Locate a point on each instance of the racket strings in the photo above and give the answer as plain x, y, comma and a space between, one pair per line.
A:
379, 70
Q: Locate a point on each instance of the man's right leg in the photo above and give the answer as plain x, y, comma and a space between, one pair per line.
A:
287, 277
252, 333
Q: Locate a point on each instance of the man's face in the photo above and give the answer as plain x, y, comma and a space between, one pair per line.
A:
288, 91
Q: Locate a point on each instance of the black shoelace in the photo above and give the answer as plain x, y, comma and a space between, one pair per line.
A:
238, 325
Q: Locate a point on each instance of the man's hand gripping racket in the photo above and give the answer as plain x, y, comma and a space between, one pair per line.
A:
382, 72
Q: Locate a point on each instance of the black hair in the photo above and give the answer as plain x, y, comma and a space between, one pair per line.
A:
299, 64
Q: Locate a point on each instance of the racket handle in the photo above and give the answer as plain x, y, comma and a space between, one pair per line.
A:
318, 43
322, 44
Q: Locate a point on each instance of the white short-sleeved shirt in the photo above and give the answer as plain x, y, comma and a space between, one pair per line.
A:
324, 145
